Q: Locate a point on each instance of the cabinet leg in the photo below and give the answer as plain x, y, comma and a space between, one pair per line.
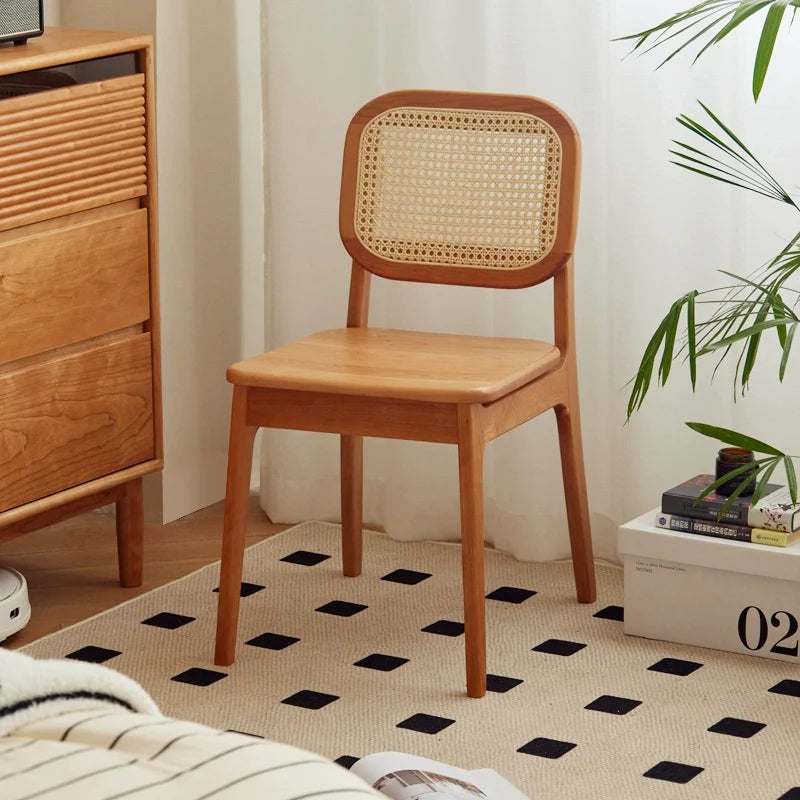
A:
130, 534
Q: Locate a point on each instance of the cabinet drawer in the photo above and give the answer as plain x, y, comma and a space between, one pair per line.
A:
73, 419
67, 285
70, 149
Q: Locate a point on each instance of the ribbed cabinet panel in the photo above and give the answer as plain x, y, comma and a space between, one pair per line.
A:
71, 149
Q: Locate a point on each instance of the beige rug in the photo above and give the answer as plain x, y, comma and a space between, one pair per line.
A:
579, 709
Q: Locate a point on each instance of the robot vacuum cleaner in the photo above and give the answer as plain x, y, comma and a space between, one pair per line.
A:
15, 608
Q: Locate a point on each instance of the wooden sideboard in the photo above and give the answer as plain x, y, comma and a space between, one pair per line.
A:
80, 388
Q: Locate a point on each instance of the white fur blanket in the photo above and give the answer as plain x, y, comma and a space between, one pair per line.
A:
32, 689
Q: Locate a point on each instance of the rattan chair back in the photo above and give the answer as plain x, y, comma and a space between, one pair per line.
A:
461, 188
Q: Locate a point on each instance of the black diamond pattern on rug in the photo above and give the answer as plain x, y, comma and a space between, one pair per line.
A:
546, 748
310, 699
790, 687
609, 704
305, 558
743, 728
409, 577
425, 723
93, 654
445, 627
510, 594
272, 641
168, 620
673, 772
197, 676
381, 662
675, 666
559, 647
340, 608
616, 613
382, 656
500, 683
247, 589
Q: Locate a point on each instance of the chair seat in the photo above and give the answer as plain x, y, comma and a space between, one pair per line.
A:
405, 365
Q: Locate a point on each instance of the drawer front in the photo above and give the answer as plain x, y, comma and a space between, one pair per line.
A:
67, 285
71, 149
70, 420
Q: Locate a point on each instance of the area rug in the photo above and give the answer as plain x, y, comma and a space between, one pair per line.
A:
350, 666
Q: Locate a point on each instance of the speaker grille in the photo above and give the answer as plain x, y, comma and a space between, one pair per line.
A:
19, 16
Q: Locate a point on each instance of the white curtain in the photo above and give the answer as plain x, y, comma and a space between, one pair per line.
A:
648, 232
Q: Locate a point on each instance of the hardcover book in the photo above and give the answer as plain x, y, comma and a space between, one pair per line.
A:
726, 530
774, 509
401, 776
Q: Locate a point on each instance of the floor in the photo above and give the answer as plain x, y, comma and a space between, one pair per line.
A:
71, 567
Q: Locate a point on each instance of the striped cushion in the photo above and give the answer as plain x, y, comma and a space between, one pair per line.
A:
104, 754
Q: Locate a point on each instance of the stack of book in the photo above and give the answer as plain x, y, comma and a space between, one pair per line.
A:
773, 520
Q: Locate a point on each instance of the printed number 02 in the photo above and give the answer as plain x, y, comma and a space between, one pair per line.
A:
763, 630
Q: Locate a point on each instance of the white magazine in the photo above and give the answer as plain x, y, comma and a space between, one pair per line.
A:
401, 776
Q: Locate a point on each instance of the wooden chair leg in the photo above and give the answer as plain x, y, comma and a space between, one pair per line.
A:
352, 487
130, 534
580, 534
470, 470
237, 492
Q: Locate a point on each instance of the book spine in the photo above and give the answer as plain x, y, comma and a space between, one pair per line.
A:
775, 538
720, 530
686, 507
676, 522
773, 518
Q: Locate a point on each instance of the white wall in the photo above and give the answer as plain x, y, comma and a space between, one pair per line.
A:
52, 12
211, 211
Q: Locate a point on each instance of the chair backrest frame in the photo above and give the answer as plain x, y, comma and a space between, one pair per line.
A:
538, 270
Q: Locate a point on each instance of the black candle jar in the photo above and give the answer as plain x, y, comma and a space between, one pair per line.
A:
730, 459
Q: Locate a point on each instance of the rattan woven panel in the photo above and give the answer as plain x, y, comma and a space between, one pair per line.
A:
458, 188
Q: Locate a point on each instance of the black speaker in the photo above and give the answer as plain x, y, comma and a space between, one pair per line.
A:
21, 19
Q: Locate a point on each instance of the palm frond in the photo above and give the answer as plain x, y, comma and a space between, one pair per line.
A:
716, 19
740, 314
765, 466
729, 160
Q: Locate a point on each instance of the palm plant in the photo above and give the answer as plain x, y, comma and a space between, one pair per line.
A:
729, 321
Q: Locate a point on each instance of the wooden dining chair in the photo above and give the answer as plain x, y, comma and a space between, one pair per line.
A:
437, 187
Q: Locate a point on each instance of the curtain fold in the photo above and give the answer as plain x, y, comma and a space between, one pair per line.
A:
648, 232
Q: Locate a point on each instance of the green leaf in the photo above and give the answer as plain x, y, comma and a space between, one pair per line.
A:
737, 492
641, 382
765, 473
676, 19
752, 346
787, 346
791, 477
691, 336
684, 28
732, 135
766, 44
712, 170
693, 38
751, 466
778, 313
673, 317
744, 333
740, 167
734, 438
739, 16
